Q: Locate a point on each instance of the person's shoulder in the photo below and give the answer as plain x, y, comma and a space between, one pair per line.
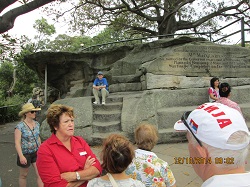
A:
19, 125
96, 182
136, 182
79, 138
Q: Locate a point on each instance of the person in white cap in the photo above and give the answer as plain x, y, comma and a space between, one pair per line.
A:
100, 88
219, 136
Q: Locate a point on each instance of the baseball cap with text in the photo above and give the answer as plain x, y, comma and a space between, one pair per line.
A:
213, 124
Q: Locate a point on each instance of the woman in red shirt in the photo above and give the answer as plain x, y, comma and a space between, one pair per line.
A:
65, 159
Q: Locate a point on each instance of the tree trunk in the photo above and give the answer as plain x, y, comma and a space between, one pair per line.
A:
10, 91
167, 27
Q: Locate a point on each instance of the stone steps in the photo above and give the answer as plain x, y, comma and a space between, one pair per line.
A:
168, 116
106, 116
106, 119
97, 138
125, 79
125, 87
245, 108
108, 106
106, 127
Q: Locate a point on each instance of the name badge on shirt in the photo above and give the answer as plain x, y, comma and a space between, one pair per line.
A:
83, 153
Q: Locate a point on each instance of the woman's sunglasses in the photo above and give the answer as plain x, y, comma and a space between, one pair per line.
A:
32, 112
184, 120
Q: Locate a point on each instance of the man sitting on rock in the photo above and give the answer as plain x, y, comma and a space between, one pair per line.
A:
100, 88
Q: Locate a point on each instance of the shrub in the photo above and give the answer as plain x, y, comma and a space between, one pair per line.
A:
13, 105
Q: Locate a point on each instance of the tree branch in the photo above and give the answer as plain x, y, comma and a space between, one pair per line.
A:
7, 20
5, 3
188, 25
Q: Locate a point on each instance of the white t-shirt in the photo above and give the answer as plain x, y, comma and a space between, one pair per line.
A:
228, 180
98, 182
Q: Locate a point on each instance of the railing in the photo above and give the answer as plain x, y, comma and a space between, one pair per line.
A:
208, 34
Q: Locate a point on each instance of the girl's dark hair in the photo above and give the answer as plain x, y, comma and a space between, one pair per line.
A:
117, 153
212, 81
224, 89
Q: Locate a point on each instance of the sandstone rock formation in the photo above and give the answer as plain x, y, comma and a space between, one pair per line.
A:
157, 81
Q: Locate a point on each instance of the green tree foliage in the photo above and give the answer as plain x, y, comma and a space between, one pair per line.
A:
74, 44
44, 31
67, 43
156, 17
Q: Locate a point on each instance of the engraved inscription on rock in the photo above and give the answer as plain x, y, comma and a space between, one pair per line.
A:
204, 60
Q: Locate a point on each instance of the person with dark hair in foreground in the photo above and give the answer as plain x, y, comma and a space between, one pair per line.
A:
218, 143
117, 153
65, 159
225, 92
146, 166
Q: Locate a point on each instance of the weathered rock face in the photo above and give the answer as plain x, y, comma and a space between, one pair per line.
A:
143, 66
169, 76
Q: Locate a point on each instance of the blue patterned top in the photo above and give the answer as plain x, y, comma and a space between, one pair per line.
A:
28, 141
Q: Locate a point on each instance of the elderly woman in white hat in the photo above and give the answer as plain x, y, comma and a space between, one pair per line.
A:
27, 141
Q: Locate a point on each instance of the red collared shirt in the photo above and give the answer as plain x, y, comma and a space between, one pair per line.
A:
53, 158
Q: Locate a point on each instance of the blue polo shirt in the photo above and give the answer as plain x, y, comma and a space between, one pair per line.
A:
101, 82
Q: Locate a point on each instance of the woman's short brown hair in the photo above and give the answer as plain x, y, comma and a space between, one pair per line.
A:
146, 136
54, 113
117, 153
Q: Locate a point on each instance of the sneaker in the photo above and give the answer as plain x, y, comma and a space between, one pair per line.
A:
103, 103
96, 103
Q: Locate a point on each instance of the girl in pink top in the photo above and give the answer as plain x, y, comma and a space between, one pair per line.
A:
213, 91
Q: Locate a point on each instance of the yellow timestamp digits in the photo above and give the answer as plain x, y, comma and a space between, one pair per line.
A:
221, 160
192, 160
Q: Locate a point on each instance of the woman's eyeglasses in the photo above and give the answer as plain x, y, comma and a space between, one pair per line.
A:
183, 119
32, 112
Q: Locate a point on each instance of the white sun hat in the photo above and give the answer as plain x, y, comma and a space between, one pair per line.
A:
213, 124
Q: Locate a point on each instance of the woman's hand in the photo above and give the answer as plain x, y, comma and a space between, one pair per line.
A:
23, 160
89, 162
69, 176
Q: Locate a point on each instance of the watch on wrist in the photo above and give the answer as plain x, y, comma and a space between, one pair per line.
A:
78, 176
